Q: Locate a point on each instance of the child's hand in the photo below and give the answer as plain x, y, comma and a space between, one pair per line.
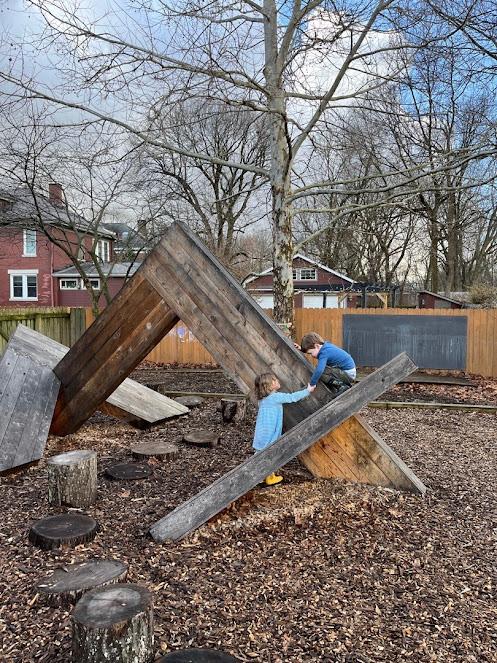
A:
311, 387
297, 346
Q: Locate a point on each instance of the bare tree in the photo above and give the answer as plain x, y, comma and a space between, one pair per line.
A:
248, 54
34, 153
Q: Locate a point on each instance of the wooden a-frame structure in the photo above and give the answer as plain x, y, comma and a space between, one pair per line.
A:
181, 279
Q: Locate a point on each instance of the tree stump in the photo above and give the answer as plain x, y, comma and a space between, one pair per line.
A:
72, 478
155, 449
128, 471
115, 624
202, 438
68, 583
67, 529
233, 410
190, 401
197, 656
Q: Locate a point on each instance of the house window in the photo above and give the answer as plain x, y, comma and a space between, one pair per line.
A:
305, 274
78, 284
69, 284
29, 242
23, 284
103, 250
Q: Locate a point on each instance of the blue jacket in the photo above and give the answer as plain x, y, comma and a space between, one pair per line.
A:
269, 423
331, 355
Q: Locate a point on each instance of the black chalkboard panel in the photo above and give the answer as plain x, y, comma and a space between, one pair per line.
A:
432, 341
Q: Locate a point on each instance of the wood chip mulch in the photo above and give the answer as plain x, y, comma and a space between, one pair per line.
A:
310, 570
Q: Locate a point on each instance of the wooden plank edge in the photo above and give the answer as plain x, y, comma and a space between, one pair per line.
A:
431, 405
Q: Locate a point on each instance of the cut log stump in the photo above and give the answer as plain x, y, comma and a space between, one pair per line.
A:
155, 449
67, 584
233, 410
197, 656
202, 438
128, 471
115, 624
66, 529
190, 401
72, 478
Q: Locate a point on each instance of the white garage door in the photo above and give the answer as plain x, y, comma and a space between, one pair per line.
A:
265, 301
316, 301
313, 301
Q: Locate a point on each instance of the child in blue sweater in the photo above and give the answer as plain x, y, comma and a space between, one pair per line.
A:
335, 366
269, 423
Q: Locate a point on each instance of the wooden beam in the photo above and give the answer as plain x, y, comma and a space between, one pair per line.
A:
123, 334
196, 511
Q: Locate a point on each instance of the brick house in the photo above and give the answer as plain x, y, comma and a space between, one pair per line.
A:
315, 285
32, 265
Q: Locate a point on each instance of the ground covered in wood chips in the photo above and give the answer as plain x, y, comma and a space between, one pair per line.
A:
310, 570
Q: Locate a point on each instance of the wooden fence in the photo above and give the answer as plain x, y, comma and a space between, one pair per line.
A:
481, 359
63, 324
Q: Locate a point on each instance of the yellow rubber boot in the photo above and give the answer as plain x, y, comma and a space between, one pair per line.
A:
273, 479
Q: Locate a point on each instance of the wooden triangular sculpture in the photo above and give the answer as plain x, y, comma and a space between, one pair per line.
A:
29, 389
181, 279
390, 471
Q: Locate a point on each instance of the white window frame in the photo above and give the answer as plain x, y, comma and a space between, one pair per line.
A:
297, 273
24, 273
103, 250
73, 278
95, 287
25, 234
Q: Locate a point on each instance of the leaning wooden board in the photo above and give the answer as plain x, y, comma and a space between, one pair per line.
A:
234, 484
131, 401
28, 393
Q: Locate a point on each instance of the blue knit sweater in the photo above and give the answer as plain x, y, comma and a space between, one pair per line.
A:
331, 355
269, 423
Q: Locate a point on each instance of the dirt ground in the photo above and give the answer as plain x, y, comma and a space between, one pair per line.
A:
310, 570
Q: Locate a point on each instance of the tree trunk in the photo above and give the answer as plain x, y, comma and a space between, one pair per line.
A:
433, 265
72, 478
114, 623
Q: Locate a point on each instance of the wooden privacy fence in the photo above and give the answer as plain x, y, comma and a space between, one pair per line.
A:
62, 324
481, 357
181, 346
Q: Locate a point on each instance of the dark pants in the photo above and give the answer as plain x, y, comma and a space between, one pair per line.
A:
336, 380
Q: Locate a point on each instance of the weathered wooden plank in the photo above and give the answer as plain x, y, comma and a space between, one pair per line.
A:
234, 484
109, 350
131, 401
26, 407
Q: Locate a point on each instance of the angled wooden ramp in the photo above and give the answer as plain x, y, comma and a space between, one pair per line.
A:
28, 393
218, 495
131, 401
182, 279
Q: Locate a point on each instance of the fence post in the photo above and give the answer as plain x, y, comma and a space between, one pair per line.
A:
77, 323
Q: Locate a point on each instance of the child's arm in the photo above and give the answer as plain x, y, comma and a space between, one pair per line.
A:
318, 371
294, 397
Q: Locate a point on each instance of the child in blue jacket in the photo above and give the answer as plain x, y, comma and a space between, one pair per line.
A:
269, 423
335, 366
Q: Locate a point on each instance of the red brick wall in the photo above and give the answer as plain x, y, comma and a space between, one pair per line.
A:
82, 298
49, 258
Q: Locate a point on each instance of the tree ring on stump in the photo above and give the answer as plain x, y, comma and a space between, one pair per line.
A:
104, 607
197, 656
69, 582
71, 457
202, 438
155, 449
128, 471
68, 529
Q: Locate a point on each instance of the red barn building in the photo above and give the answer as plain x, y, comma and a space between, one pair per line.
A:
315, 285
36, 235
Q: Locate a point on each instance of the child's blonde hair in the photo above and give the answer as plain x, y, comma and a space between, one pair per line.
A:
264, 385
310, 340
